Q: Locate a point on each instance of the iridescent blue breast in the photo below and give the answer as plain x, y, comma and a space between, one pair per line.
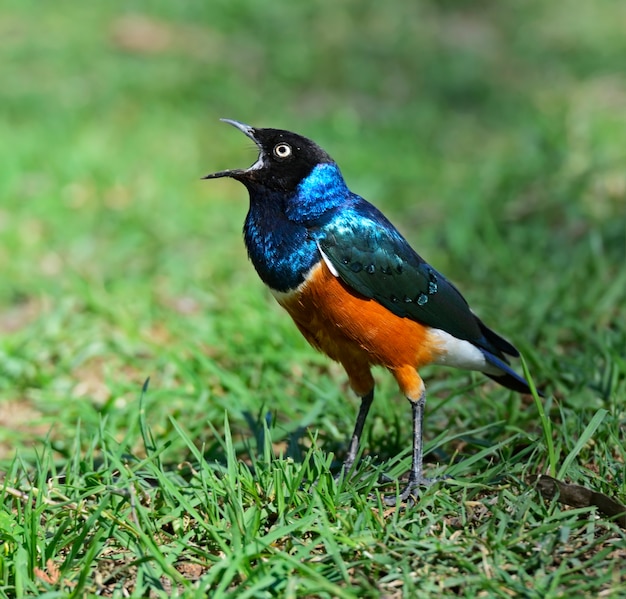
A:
282, 254
280, 228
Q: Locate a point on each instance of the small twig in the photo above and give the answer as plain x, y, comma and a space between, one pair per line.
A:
65, 502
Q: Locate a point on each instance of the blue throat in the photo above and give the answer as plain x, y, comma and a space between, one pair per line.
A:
277, 227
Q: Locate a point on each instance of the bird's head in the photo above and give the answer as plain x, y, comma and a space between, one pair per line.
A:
285, 159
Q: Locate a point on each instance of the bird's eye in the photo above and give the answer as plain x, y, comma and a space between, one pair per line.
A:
282, 150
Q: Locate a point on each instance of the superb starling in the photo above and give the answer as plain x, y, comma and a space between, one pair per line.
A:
353, 285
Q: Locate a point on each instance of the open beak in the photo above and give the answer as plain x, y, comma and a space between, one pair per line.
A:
248, 131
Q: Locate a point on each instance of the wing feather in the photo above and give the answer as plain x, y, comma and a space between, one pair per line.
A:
370, 256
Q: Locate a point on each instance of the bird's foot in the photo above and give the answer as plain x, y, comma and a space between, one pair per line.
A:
411, 492
345, 471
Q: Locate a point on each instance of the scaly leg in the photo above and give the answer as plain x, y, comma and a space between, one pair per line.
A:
416, 477
366, 402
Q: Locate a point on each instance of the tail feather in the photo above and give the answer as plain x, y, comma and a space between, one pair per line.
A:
500, 344
508, 377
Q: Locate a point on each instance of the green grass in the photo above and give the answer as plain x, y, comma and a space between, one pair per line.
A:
494, 136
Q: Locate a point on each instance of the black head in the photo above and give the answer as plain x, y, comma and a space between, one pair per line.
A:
284, 160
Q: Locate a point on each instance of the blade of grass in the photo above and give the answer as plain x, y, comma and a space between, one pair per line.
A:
584, 438
546, 424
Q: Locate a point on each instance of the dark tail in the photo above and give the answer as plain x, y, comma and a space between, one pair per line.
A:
508, 378
499, 343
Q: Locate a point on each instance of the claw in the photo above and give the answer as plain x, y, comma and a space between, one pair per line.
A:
411, 492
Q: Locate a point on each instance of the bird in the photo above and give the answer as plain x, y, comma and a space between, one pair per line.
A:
353, 285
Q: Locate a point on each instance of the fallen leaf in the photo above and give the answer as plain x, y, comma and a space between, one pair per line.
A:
579, 496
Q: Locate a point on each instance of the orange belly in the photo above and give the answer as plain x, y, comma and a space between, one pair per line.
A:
358, 332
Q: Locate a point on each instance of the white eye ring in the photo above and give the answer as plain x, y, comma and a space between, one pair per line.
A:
282, 150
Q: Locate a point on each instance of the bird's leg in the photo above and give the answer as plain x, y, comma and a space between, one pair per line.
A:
416, 477
366, 402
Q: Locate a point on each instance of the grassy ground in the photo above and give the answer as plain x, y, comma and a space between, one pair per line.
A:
493, 135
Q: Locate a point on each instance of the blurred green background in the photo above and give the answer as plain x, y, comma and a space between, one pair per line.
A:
492, 133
